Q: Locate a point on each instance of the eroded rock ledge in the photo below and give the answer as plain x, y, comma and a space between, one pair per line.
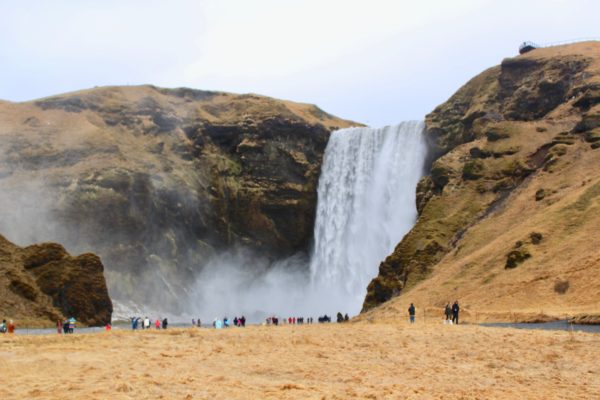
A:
44, 282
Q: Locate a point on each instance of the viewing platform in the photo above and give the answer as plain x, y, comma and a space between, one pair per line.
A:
528, 46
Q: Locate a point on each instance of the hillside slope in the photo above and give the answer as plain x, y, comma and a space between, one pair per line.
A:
157, 180
509, 213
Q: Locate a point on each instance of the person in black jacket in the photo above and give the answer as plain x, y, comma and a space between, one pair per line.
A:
455, 310
411, 312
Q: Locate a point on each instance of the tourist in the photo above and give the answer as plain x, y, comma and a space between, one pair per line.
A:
199, 324
346, 318
235, 321
157, 324
146, 323
11, 327
72, 322
3, 326
226, 322
411, 312
165, 323
65, 327
455, 310
59, 326
448, 314
243, 321
340, 317
108, 327
193, 322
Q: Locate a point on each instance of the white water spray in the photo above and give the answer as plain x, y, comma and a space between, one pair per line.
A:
366, 204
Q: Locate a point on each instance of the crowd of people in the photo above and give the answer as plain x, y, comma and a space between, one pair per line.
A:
451, 314
226, 323
274, 320
67, 326
147, 323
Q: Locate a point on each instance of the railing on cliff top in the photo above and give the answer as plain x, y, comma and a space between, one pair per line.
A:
531, 45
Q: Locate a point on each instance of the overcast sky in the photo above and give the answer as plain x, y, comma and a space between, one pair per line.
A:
374, 61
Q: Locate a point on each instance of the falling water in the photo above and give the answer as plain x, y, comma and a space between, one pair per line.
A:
366, 204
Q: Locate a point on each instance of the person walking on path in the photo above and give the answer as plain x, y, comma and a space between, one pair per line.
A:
455, 310
3, 327
11, 327
411, 312
157, 324
448, 314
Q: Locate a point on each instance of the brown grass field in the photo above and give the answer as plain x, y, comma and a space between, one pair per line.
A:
355, 360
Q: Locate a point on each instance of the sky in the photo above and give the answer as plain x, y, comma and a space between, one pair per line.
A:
377, 62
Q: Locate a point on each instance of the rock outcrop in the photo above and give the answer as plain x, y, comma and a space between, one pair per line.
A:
156, 180
514, 150
43, 282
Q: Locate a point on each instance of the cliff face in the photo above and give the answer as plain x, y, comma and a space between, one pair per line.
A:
511, 200
157, 180
43, 282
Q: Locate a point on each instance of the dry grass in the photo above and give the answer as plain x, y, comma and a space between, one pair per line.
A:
367, 361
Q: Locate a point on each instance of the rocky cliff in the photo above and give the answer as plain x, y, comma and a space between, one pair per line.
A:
43, 282
158, 180
510, 207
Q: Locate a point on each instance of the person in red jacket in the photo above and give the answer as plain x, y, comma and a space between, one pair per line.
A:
11, 326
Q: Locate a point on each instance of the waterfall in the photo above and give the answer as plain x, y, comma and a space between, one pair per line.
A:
366, 204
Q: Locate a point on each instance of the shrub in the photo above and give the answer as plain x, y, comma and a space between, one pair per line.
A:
516, 257
561, 287
536, 237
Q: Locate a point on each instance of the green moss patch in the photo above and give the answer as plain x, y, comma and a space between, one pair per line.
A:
473, 170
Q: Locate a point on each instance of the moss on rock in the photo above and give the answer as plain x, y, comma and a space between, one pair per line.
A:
473, 170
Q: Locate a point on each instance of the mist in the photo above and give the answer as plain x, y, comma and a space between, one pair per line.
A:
239, 282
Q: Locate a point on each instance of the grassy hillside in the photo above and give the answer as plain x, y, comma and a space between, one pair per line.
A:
509, 213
